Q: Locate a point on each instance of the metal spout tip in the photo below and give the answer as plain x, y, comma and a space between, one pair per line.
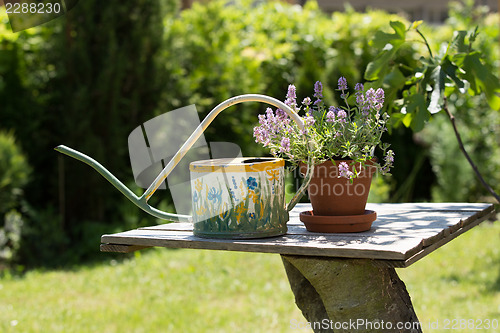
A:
62, 148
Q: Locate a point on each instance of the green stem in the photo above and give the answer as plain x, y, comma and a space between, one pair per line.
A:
426, 43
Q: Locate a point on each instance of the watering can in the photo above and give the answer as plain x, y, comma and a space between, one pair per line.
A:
231, 198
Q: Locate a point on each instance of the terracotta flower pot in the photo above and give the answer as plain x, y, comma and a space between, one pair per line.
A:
333, 195
339, 204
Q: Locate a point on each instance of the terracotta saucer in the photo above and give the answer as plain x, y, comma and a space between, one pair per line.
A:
348, 223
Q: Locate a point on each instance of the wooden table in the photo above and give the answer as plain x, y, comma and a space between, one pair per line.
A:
341, 282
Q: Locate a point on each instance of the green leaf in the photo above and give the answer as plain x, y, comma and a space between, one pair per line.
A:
415, 78
389, 45
399, 29
395, 79
416, 106
376, 68
451, 71
382, 39
407, 119
481, 78
396, 39
395, 121
438, 75
393, 83
458, 42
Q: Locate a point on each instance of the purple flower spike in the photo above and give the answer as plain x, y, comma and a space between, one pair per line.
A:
342, 83
309, 121
261, 136
307, 101
285, 145
365, 111
370, 96
389, 158
330, 117
281, 115
379, 96
341, 116
291, 92
359, 87
270, 114
360, 99
318, 90
291, 96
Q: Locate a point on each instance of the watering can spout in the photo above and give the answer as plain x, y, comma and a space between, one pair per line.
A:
138, 201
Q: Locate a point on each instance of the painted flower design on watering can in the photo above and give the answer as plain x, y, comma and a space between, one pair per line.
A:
198, 185
224, 213
240, 210
252, 183
214, 195
233, 195
272, 175
202, 210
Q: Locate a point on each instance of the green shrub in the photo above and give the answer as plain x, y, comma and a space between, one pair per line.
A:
14, 175
86, 79
14, 172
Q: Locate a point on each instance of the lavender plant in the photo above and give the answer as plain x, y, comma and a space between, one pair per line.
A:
331, 133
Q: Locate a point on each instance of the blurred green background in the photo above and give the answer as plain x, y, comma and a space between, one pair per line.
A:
87, 79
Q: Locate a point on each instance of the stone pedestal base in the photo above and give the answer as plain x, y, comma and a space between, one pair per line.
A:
350, 295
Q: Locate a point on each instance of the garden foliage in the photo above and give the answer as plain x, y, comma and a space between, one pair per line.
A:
14, 175
456, 75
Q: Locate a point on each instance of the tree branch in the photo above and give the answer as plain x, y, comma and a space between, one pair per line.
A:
462, 148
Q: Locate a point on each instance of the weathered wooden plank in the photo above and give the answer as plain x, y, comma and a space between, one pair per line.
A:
121, 248
180, 226
428, 249
328, 245
429, 221
405, 207
428, 226
441, 206
402, 234
391, 224
488, 212
394, 224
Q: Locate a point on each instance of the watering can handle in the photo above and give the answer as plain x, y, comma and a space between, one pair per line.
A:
206, 122
141, 201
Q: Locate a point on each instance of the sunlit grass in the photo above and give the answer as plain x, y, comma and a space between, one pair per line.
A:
158, 290
163, 290
459, 281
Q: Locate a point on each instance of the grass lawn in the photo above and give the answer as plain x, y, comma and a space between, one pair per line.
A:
162, 290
